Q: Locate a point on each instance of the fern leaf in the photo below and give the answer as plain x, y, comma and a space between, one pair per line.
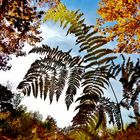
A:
61, 82
71, 91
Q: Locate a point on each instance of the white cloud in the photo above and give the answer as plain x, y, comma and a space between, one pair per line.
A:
57, 110
55, 36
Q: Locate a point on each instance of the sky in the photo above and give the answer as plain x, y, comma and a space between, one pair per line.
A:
54, 36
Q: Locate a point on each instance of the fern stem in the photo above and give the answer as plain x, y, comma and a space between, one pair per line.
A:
113, 92
117, 104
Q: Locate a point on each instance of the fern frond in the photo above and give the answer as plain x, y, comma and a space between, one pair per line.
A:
74, 80
85, 110
130, 75
48, 75
112, 110
96, 57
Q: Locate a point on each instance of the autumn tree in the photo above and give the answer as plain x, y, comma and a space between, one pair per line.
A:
20, 21
124, 16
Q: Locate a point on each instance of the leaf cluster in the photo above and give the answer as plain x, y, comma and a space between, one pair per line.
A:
125, 16
19, 23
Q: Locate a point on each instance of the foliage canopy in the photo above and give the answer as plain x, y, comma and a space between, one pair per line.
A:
125, 16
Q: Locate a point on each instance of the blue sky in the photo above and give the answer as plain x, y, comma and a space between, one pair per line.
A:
88, 7
53, 35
